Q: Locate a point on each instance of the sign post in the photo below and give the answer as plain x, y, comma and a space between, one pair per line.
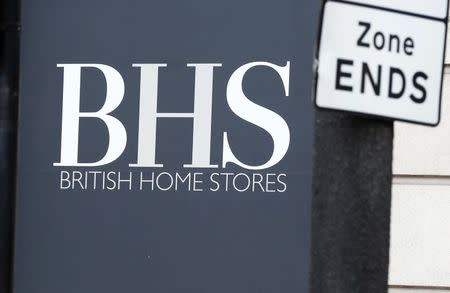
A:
351, 204
383, 58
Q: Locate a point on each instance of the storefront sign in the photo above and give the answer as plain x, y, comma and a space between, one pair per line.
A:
165, 146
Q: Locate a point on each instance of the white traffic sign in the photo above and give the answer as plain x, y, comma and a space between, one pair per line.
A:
383, 58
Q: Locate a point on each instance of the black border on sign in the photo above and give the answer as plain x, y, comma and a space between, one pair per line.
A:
317, 51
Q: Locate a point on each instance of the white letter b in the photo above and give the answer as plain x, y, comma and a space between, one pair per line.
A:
71, 114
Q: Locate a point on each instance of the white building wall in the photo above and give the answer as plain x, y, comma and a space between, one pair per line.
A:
420, 226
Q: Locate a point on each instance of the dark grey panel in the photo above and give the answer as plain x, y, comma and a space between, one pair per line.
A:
139, 241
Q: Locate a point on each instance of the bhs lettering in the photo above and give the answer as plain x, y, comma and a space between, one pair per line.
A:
238, 102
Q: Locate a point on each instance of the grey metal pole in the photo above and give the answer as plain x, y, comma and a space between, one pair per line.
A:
351, 204
9, 63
